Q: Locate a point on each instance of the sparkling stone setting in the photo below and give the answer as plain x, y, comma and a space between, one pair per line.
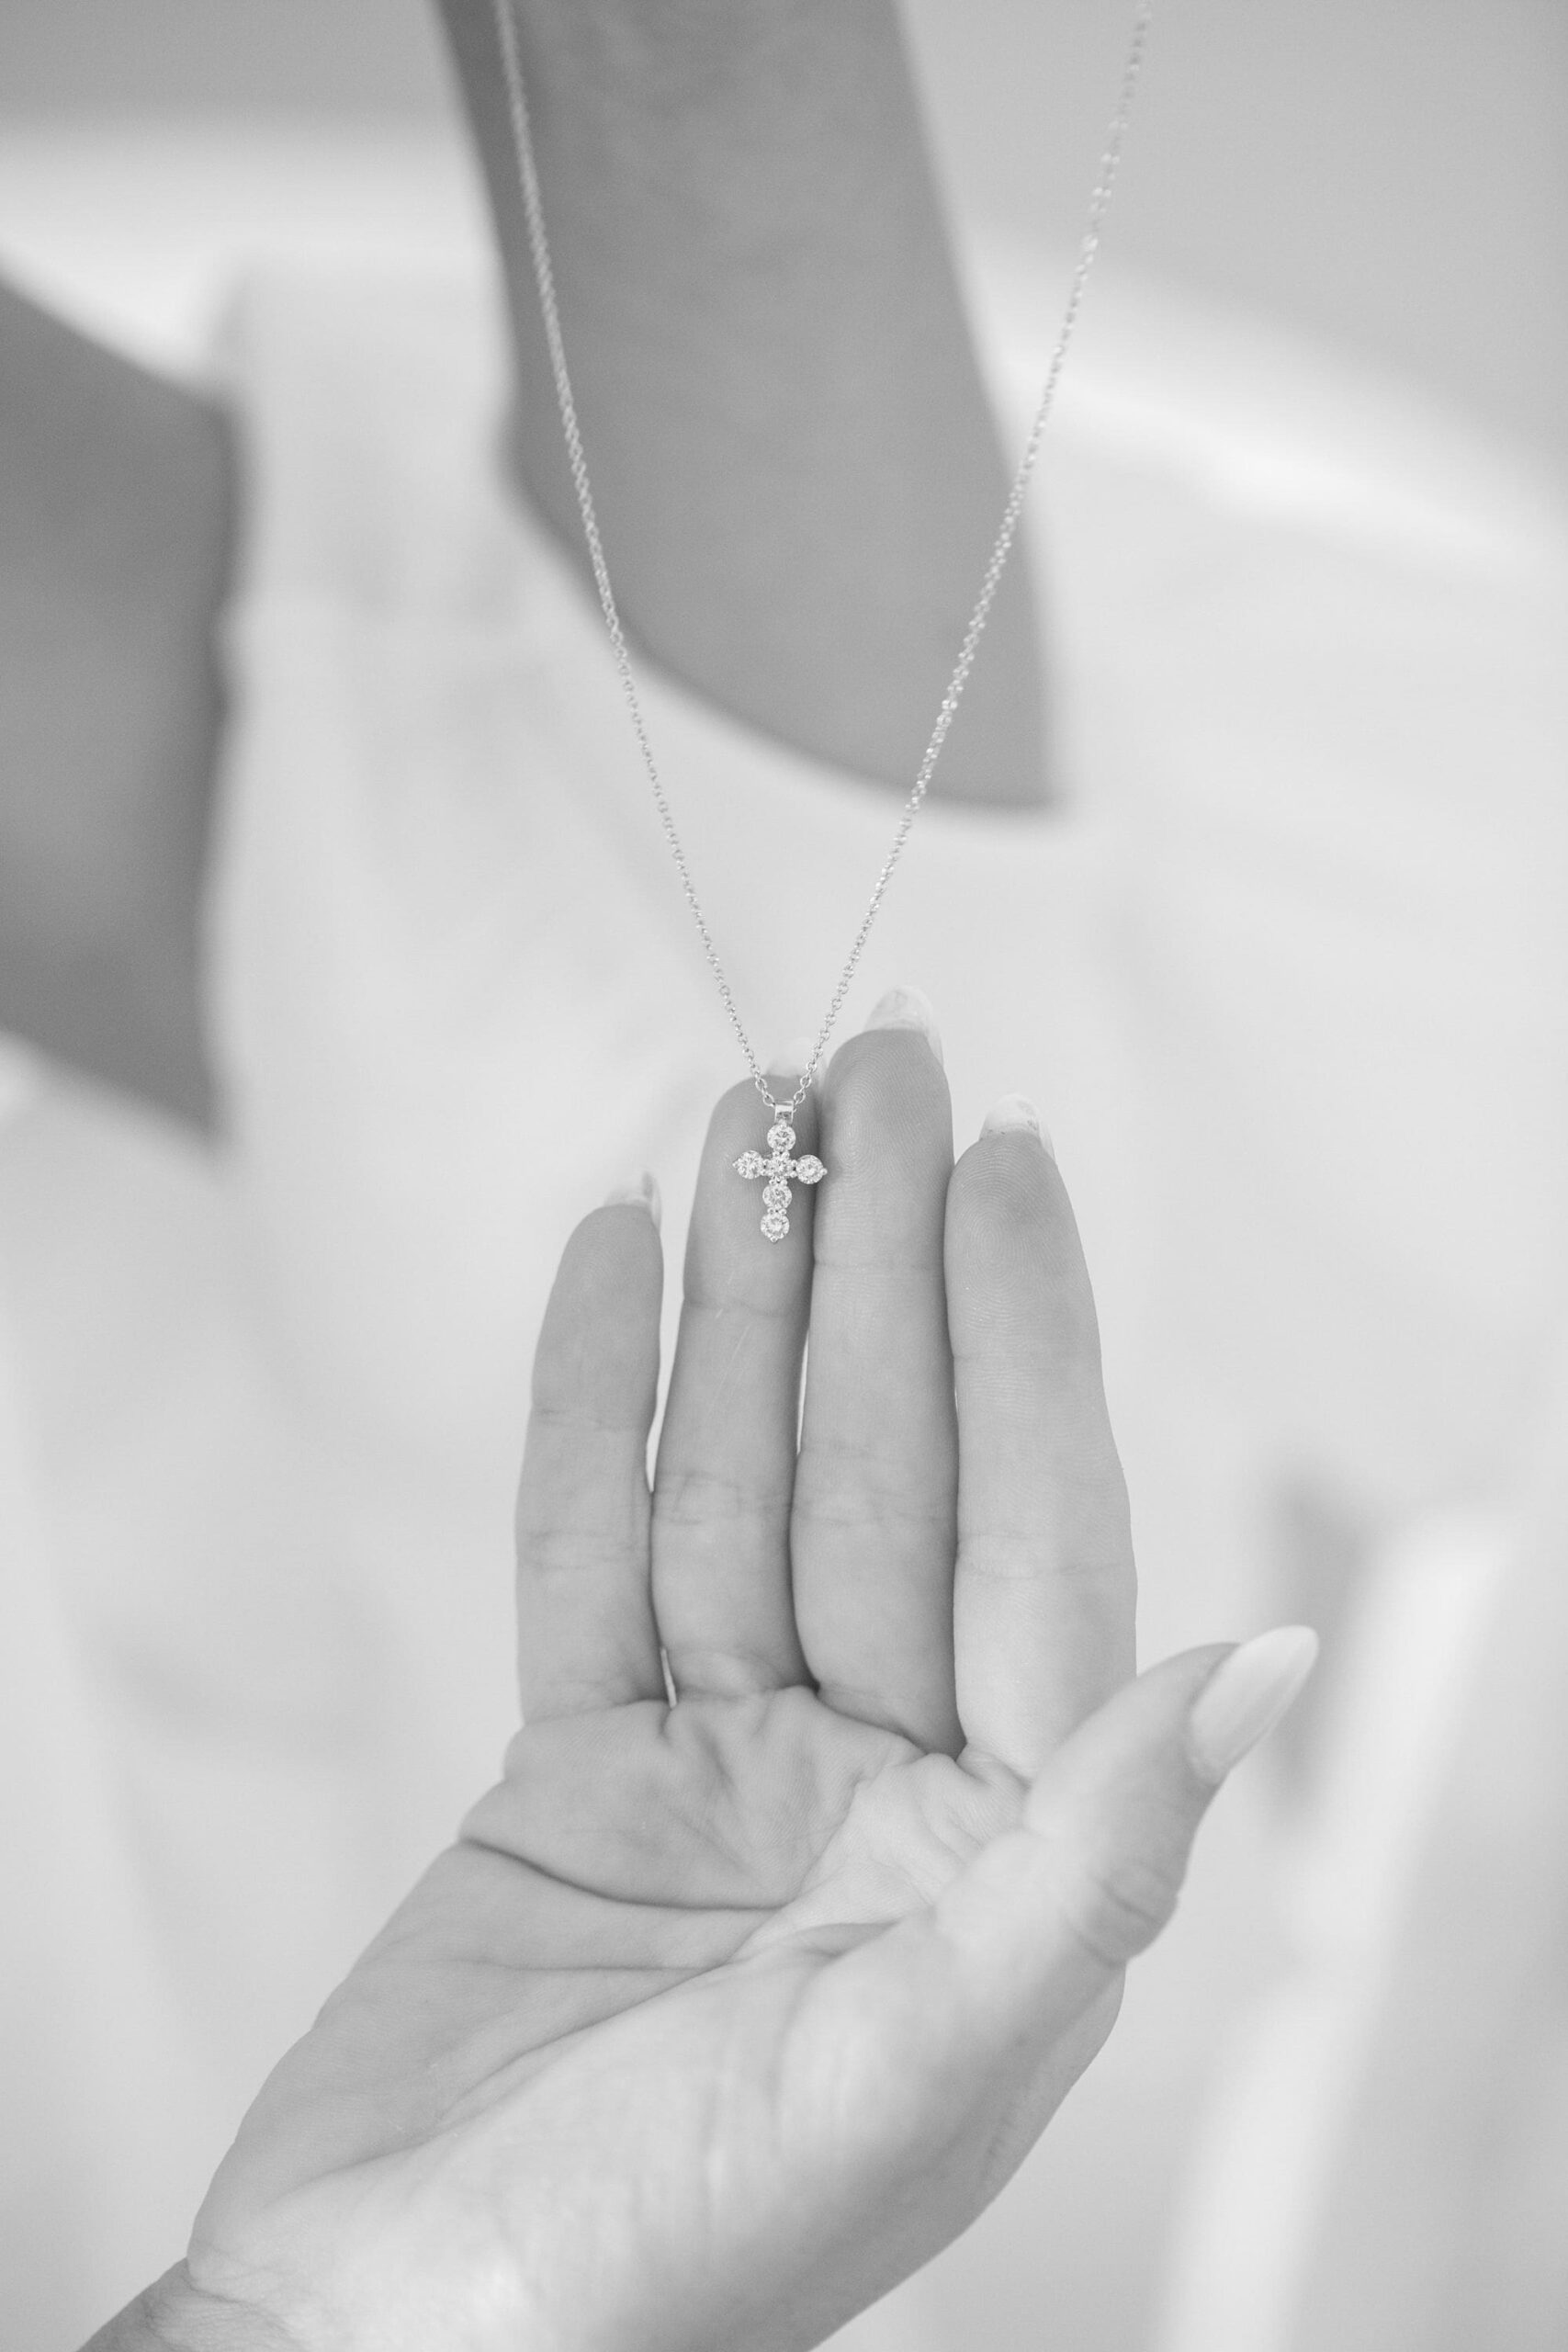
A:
781, 1169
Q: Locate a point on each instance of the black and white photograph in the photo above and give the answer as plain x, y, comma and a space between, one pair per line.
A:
783, 1176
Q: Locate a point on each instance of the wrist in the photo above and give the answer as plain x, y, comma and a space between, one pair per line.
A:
175, 2315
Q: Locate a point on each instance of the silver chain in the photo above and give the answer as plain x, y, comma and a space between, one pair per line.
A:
544, 272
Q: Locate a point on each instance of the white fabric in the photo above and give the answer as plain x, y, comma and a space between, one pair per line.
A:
1285, 974
1264, 2161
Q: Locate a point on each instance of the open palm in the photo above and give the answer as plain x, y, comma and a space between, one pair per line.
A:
723, 2015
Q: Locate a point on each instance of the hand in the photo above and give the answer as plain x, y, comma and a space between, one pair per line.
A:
720, 2018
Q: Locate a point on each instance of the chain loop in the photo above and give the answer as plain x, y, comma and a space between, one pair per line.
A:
544, 272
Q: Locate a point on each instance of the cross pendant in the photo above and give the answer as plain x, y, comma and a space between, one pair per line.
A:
779, 1168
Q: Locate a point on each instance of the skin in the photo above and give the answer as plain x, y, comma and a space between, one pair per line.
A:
721, 2016
796, 469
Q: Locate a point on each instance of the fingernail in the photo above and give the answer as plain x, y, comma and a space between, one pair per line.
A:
1245, 1696
792, 1061
643, 1194
1016, 1114
907, 1009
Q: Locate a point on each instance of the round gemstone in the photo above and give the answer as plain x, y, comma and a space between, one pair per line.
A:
751, 1163
781, 1136
776, 1194
810, 1170
775, 1225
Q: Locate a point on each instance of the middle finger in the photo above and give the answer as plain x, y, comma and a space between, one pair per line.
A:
872, 1535
721, 1499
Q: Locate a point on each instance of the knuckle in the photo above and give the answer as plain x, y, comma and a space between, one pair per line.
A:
692, 1500
1116, 1906
550, 1557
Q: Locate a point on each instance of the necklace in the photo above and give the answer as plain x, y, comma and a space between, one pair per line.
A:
779, 1166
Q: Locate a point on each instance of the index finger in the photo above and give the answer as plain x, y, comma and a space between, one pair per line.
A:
1043, 1601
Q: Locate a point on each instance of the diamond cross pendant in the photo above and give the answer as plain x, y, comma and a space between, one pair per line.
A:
779, 1168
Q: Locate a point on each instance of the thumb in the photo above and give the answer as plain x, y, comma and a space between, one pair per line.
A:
965, 2024
1113, 1815
1045, 1916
